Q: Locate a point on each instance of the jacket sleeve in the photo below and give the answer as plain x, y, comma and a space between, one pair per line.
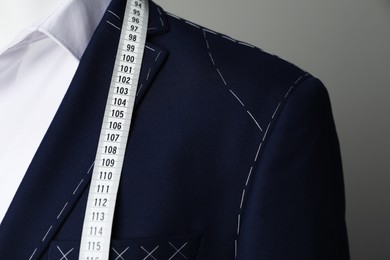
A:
295, 207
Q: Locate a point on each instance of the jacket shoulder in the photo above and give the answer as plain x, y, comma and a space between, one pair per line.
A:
259, 80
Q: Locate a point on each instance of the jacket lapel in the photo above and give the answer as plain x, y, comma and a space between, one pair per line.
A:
61, 169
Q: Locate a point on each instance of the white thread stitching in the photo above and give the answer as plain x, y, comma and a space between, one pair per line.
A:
246, 44
120, 254
276, 110
150, 48
222, 77
117, 16
60, 213
32, 255
254, 119
62, 253
228, 38
174, 16
158, 55
211, 57
178, 251
255, 160
78, 186
90, 168
62, 210
47, 233
113, 25
239, 100
209, 31
147, 76
150, 254
238, 224
192, 24
149, 70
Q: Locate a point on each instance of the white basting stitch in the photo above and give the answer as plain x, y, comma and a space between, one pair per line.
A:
220, 74
276, 110
158, 55
246, 44
140, 87
47, 233
250, 114
228, 38
159, 11
208, 45
235, 249
249, 176
178, 251
295, 83
152, 28
222, 77
162, 23
113, 25
254, 119
299, 79
266, 131
238, 224
256, 158
62, 210
150, 254
211, 57
288, 92
90, 168
258, 151
209, 31
119, 255
147, 47
63, 254
117, 16
147, 76
174, 16
32, 255
239, 100
58, 216
192, 24
78, 186
242, 198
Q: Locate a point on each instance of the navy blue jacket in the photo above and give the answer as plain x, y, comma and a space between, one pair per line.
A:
232, 154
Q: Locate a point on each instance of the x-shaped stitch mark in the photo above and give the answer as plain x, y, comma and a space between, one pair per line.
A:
150, 254
178, 251
63, 254
119, 255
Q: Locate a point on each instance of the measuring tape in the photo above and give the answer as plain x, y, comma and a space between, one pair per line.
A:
99, 214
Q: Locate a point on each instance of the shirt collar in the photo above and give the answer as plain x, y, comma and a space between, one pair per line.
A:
71, 26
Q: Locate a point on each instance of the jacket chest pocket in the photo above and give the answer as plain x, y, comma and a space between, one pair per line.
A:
161, 248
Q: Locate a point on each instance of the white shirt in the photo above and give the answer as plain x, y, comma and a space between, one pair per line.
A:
35, 72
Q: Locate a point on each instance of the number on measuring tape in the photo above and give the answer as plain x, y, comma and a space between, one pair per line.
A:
99, 214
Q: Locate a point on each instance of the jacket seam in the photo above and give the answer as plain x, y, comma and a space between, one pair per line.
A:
267, 133
233, 94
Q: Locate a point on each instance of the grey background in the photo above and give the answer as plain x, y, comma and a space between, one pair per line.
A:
347, 45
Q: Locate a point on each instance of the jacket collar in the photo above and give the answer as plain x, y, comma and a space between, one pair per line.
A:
58, 177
